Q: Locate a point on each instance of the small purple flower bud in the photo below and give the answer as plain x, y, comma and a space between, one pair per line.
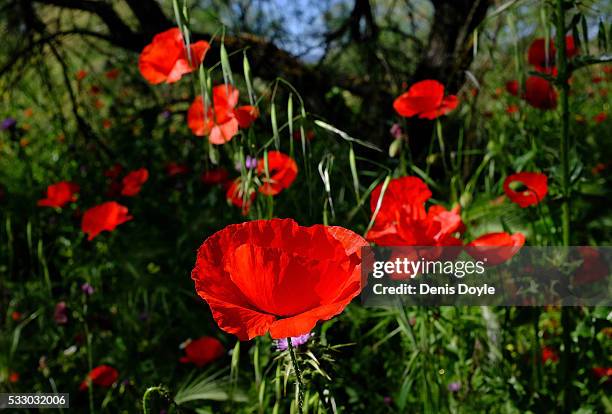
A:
283, 344
454, 386
388, 400
8, 123
87, 289
166, 114
396, 131
250, 163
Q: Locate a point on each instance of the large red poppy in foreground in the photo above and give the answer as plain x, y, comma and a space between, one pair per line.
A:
166, 59
425, 99
103, 217
276, 276
533, 188
221, 120
282, 170
59, 194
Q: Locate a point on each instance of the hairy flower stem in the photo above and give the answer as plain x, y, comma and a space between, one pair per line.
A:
298, 376
562, 83
146, 398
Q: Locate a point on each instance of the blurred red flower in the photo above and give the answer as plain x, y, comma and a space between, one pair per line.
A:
60, 314
203, 351
594, 267
103, 376
173, 169
540, 93
13, 377
114, 171
308, 135
512, 109
425, 99
402, 219
235, 195
512, 87
112, 74
601, 372
277, 276
103, 217
16, 316
600, 117
549, 354
535, 188
282, 170
133, 181
80, 75
60, 194
222, 119
214, 176
166, 59
495, 248
543, 61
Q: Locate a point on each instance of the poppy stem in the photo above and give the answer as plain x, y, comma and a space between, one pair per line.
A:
298, 375
564, 73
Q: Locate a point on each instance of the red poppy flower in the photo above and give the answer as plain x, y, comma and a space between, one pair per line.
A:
277, 276
203, 351
512, 87
112, 74
549, 354
60, 194
166, 59
282, 170
114, 171
235, 195
593, 268
600, 117
133, 181
402, 219
13, 377
540, 93
80, 75
598, 168
512, 109
173, 169
543, 62
309, 135
601, 372
222, 119
535, 188
495, 248
16, 315
103, 376
425, 99
103, 217
214, 176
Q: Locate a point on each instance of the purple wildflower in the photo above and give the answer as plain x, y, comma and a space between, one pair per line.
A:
87, 289
396, 131
250, 163
8, 123
454, 386
282, 344
166, 114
